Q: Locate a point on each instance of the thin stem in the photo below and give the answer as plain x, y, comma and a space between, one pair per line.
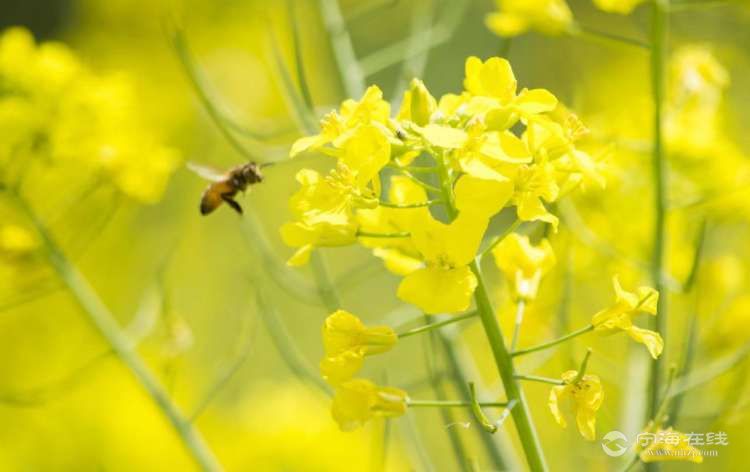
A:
433, 326
586, 32
659, 176
368, 234
520, 308
537, 378
422, 184
106, 324
299, 63
555, 342
476, 410
410, 205
584, 366
452, 404
500, 237
326, 289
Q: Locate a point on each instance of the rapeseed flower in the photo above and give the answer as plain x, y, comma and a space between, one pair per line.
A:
622, 7
516, 17
618, 316
347, 341
523, 264
666, 445
586, 395
446, 283
356, 401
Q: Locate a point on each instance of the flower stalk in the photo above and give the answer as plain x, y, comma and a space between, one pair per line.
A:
659, 23
553, 343
107, 326
439, 324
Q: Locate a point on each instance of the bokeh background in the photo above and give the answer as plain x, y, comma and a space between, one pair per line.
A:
195, 292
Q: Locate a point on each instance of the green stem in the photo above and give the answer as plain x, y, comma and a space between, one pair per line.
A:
432, 326
659, 175
521, 414
584, 366
555, 342
500, 237
585, 32
410, 205
350, 71
326, 289
367, 234
538, 378
105, 323
452, 404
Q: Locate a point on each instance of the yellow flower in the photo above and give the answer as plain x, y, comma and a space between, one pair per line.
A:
88, 122
523, 264
618, 316
622, 7
324, 211
518, 16
666, 445
532, 184
356, 401
347, 341
399, 254
16, 242
447, 283
337, 127
587, 397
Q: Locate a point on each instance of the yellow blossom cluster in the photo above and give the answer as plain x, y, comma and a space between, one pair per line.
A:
54, 110
491, 147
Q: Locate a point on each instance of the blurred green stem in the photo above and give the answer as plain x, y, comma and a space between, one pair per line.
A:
659, 33
327, 291
350, 73
107, 326
452, 404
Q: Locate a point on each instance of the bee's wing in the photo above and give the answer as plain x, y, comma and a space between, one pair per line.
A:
207, 173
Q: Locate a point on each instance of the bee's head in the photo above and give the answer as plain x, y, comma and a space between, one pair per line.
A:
251, 173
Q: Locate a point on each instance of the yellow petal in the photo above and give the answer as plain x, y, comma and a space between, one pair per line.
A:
444, 136
555, 396
398, 262
651, 339
484, 197
436, 290
336, 369
536, 101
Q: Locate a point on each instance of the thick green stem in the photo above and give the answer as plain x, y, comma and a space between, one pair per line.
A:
659, 175
105, 323
521, 415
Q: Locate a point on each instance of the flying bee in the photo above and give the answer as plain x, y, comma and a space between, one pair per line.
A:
224, 186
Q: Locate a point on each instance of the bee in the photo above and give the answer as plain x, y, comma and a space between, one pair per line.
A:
224, 186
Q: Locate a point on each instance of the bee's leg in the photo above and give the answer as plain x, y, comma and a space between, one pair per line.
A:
231, 202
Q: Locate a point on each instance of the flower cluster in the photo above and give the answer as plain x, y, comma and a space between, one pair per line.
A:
486, 149
347, 341
53, 109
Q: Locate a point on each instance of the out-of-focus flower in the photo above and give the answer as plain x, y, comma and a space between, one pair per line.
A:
356, 401
622, 7
618, 317
447, 283
666, 445
523, 263
347, 341
586, 395
516, 17
54, 107
16, 242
